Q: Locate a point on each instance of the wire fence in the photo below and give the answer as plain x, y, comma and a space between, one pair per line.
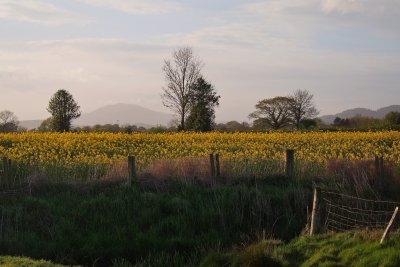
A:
342, 212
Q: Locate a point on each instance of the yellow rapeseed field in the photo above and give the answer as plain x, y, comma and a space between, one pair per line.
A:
69, 149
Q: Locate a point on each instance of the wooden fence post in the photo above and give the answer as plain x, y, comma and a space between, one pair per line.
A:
314, 219
389, 226
289, 170
212, 165
131, 170
379, 167
218, 169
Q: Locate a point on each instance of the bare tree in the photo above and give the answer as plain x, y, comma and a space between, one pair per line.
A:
302, 107
8, 122
180, 74
272, 113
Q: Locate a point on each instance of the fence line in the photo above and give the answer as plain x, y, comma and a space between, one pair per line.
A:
341, 212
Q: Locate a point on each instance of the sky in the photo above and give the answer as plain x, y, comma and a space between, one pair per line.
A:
345, 52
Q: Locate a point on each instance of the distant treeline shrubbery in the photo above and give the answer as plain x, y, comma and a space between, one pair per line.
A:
358, 123
287, 113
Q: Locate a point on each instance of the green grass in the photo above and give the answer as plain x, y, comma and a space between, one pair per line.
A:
359, 249
7, 261
102, 224
98, 223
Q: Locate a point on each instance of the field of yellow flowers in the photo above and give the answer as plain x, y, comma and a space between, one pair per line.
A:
69, 149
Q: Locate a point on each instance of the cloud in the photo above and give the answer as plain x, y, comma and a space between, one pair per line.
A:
37, 11
230, 35
304, 20
265, 49
342, 6
271, 25
96, 71
378, 17
381, 8
80, 75
142, 7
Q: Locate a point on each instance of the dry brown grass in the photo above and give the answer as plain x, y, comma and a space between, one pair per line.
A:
187, 170
358, 176
161, 173
361, 176
117, 173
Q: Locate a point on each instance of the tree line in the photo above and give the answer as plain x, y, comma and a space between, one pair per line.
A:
187, 93
284, 112
193, 100
390, 121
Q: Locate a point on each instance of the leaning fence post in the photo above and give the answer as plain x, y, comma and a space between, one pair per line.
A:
313, 227
131, 169
289, 170
389, 226
379, 167
212, 165
218, 169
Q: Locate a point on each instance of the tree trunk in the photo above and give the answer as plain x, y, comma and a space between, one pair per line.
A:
183, 122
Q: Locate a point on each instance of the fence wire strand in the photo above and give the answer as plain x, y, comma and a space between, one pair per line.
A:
344, 212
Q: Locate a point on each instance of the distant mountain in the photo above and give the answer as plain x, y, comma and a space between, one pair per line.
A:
383, 111
124, 114
378, 114
31, 124
119, 113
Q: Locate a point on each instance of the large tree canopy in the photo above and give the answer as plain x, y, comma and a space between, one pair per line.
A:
8, 122
272, 112
63, 109
301, 107
180, 74
296, 110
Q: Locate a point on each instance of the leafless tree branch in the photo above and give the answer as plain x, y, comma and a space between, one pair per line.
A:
180, 74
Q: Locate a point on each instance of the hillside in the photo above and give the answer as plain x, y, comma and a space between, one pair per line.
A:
115, 114
30, 124
124, 114
349, 113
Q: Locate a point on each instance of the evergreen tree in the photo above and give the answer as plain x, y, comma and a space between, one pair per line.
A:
63, 109
203, 99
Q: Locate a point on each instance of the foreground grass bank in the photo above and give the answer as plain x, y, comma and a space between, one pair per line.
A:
8, 261
359, 249
101, 223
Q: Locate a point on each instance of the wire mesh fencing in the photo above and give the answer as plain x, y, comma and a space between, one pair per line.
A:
340, 212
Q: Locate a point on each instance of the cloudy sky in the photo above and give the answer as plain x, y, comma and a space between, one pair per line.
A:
345, 52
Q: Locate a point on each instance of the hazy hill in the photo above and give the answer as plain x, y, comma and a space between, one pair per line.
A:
113, 114
349, 113
31, 124
124, 114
